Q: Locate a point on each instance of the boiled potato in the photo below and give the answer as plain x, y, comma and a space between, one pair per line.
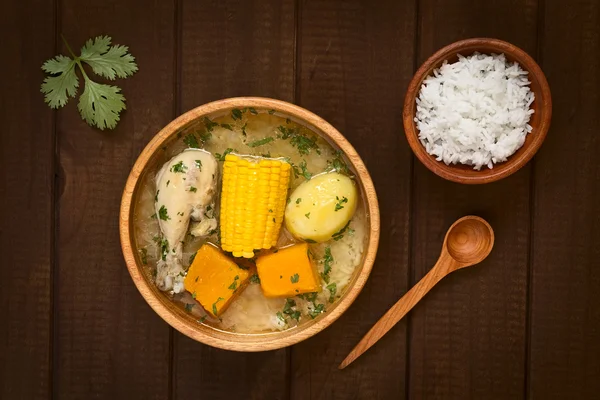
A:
321, 207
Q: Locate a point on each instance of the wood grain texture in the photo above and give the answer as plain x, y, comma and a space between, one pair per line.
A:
230, 49
540, 120
564, 357
26, 201
355, 61
109, 343
467, 338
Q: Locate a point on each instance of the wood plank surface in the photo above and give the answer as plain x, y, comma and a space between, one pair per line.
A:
109, 343
355, 61
227, 49
26, 201
467, 338
565, 289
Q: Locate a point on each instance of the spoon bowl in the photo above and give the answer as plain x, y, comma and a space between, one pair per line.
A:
469, 240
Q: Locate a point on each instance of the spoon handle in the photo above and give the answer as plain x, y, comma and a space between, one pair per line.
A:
401, 308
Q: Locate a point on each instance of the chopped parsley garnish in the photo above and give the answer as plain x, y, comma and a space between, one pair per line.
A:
338, 205
266, 155
202, 319
320, 308
153, 216
254, 278
190, 140
198, 164
221, 157
192, 259
310, 240
327, 261
244, 134
304, 172
227, 126
214, 306
156, 196
332, 287
236, 114
162, 213
307, 215
179, 167
252, 110
338, 164
261, 142
280, 316
188, 307
210, 125
205, 137
169, 181
298, 200
233, 286
193, 189
340, 234
144, 256
288, 309
271, 112
295, 278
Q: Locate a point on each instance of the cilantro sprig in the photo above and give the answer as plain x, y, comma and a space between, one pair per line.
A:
100, 105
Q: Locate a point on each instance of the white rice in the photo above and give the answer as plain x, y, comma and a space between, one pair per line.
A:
475, 111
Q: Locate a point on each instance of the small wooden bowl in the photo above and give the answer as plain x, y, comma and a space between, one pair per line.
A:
540, 120
184, 322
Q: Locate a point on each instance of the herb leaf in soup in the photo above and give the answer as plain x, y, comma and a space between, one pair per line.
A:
261, 142
191, 141
340, 234
205, 136
253, 111
209, 124
327, 262
144, 256
227, 126
320, 308
163, 213
332, 287
307, 175
221, 157
337, 164
180, 167
236, 114
295, 278
338, 205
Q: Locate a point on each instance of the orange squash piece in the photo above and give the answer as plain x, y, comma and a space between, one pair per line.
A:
214, 279
288, 272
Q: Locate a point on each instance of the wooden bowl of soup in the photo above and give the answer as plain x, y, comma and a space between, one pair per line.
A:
249, 224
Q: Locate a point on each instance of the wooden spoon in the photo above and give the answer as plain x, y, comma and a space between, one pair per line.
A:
468, 242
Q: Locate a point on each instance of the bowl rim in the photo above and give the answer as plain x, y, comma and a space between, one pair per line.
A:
512, 165
269, 341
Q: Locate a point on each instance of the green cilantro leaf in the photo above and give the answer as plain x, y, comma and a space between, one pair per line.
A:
62, 84
108, 61
99, 104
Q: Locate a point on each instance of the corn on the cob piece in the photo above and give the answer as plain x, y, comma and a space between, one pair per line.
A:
253, 200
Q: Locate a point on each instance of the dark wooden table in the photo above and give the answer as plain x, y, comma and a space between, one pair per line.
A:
524, 324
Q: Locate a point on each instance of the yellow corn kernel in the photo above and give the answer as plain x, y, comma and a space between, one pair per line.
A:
253, 200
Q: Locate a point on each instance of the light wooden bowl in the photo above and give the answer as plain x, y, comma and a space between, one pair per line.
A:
178, 318
540, 120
